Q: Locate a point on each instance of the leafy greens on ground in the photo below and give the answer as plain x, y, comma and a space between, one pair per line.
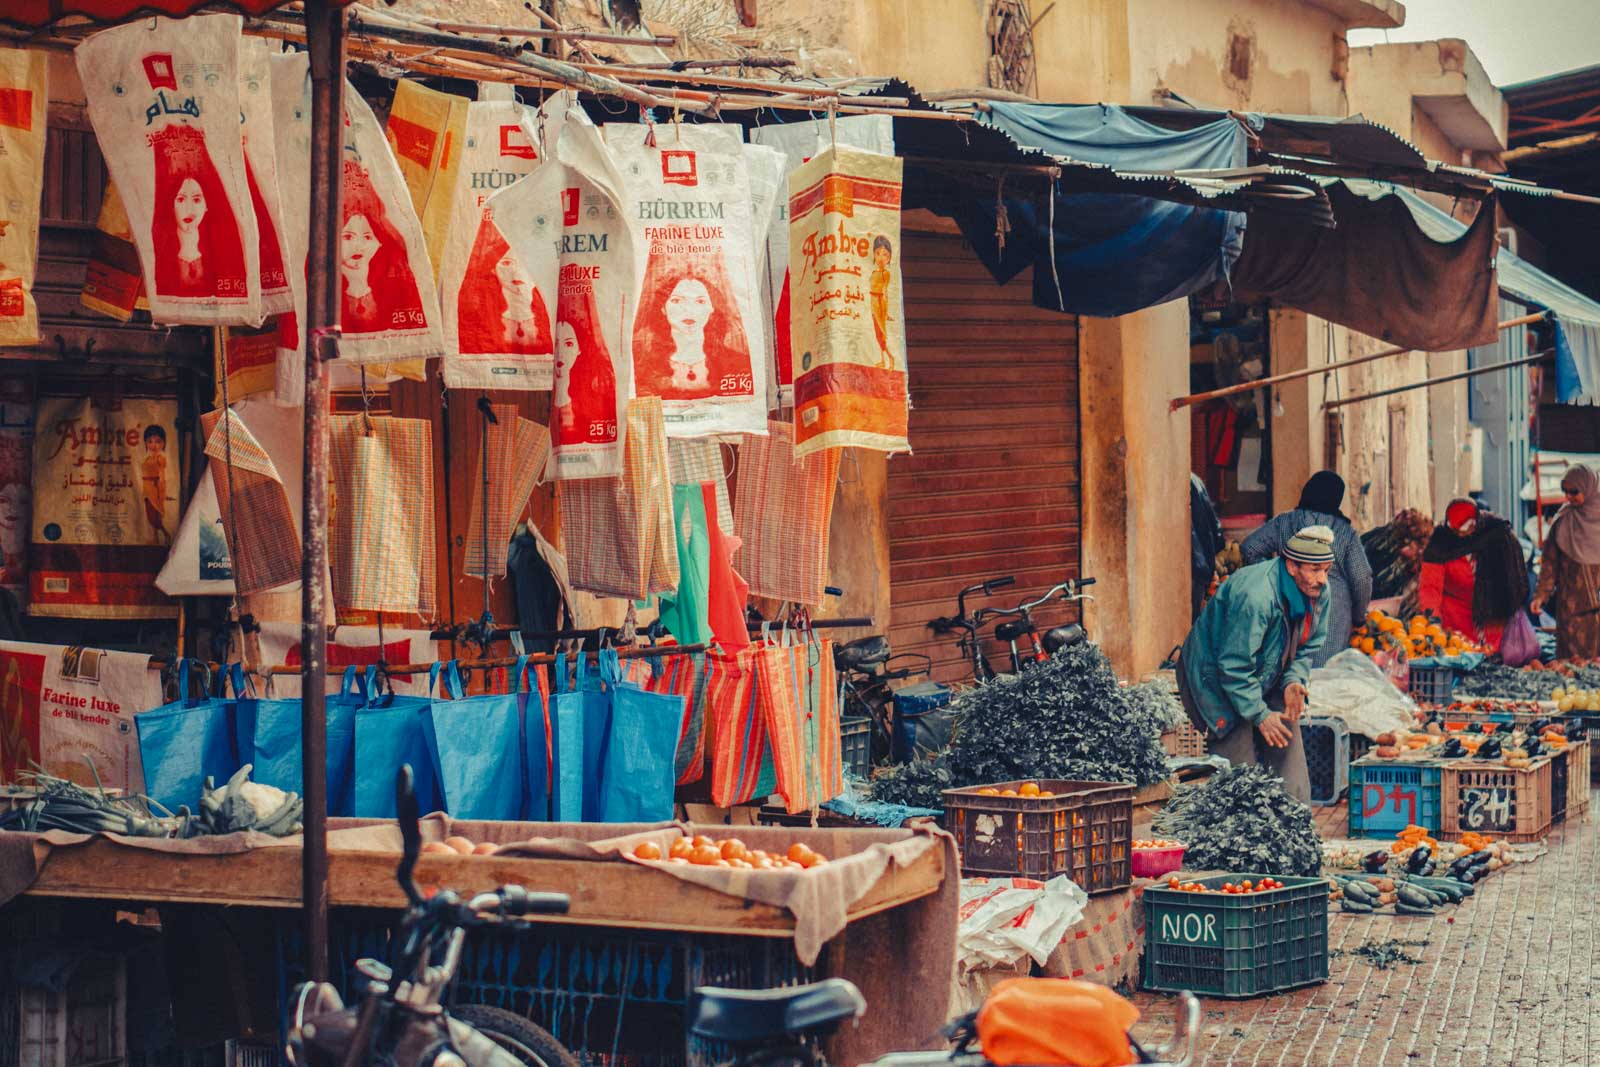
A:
1240, 819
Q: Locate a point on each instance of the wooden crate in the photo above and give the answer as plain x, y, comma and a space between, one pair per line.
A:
1578, 757
1508, 803
1185, 741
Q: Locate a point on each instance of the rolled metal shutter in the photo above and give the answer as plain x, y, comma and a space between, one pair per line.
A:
992, 487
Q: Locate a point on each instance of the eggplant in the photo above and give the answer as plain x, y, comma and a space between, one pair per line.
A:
1419, 859
1347, 904
1474, 727
1538, 726
1375, 862
1490, 749
1460, 866
1533, 747
1452, 749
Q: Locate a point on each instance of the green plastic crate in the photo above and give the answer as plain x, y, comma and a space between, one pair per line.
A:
1236, 946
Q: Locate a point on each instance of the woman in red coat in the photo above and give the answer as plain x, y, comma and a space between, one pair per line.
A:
1473, 573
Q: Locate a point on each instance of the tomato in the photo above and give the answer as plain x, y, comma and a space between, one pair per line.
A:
647, 850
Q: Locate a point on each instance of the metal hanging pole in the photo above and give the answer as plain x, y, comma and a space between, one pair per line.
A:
325, 40
1473, 373
1308, 372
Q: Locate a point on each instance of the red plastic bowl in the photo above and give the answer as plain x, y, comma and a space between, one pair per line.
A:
1155, 862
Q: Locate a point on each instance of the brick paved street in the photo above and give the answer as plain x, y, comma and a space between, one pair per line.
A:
1498, 986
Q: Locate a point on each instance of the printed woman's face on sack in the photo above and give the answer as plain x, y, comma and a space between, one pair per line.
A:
357, 243
688, 306
189, 206
513, 279
567, 352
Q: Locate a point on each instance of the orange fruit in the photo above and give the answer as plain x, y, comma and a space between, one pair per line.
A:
798, 852
705, 856
816, 859
733, 849
680, 848
1028, 789
701, 839
485, 848
430, 848
460, 844
1008, 792
988, 791
647, 850
1045, 794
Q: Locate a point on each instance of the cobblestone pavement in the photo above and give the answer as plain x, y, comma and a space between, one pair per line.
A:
1507, 979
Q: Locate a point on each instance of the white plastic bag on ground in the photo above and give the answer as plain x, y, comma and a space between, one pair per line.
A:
1355, 689
1005, 919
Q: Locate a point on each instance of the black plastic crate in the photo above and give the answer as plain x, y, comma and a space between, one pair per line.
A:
1245, 945
1433, 685
603, 992
855, 746
1083, 830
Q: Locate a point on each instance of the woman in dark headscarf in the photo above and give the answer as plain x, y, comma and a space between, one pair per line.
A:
1350, 581
1473, 573
1569, 570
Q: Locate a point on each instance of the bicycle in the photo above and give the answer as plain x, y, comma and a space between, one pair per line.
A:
400, 1020
1027, 648
785, 1027
865, 671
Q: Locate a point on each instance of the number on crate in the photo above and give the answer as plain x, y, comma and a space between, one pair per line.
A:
1374, 800
1488, 809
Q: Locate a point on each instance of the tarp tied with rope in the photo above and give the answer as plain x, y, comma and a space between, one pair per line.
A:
1101, 254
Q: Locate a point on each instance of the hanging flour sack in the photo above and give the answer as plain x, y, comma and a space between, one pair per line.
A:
112, 281
261, 174
848, 329
289, 82
698, 335
497, 312
425, 129
164, 99
22, 133
799, 141
389, 308
769, 192
570, 209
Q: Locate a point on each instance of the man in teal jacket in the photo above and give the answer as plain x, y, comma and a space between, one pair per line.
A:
1244, 669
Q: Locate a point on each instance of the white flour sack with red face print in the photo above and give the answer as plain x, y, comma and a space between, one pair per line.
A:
699, 341
570, 211
389, 308
498, 315
261, 175
164, 99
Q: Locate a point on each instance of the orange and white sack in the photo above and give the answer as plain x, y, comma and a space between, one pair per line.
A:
570, 210
389, 307
698, 337
498, 314
425, 129
799, 141
23, 92
163, 95
848, 323
113, 280
769, 198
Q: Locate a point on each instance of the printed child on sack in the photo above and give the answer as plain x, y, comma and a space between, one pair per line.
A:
1244, 668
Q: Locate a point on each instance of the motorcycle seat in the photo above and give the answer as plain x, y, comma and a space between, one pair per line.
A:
748, 1016
862, 652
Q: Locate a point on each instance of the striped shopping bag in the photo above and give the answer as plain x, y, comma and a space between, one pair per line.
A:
685, 675
381, 524
798, 706
740, 759
781, 516
618, 531
514, 454
263, 534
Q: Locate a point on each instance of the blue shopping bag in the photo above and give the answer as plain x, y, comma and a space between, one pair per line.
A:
391, 731
267, 731
640, 770
580, 717
475, 744
539, 766
183, 743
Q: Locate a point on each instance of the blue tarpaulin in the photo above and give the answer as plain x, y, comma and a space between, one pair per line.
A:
1112, 253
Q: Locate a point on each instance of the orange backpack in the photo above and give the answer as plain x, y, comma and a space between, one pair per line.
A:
1055, 1022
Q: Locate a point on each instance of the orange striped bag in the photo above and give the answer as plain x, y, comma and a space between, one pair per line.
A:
738, 731
798, 704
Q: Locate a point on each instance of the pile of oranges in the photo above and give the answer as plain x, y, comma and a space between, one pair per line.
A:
1157, 843
1228, 888
1420, 638
1026, 789
702, 851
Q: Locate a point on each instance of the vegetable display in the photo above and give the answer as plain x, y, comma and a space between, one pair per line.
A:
238, 805
1240, 819
1244, 888
701, 851
1066, 719
1422, 637
918, 784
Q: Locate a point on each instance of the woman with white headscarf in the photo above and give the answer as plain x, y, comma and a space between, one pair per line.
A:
1569, 572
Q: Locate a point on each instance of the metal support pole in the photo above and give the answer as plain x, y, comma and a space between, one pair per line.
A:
1473, 373
325, 39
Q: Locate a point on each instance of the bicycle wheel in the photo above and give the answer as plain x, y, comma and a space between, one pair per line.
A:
532, 1045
